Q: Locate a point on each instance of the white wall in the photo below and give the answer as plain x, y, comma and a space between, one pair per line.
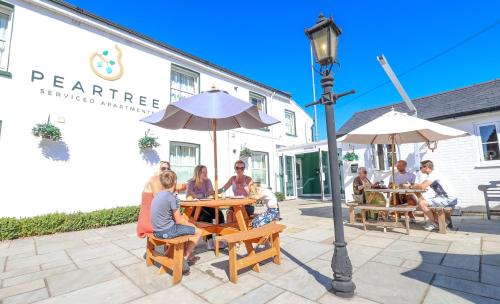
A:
459, 159
98, 164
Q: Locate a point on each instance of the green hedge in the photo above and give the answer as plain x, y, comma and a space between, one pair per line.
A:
13, 228
279, 196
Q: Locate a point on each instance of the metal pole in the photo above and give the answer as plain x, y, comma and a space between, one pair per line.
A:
314, 98
341, 265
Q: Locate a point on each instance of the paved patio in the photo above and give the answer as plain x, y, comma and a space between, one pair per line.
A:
106, 266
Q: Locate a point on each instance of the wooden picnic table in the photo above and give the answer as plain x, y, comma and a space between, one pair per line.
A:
373, 192
192, 210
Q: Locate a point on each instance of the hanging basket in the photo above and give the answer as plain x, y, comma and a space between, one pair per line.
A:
148, 142
47, 131
245, 153
351, 157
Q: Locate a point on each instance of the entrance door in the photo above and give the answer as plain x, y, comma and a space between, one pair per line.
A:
298, 174
290, 176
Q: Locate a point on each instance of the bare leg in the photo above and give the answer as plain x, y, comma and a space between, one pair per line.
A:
423, 204
193, 240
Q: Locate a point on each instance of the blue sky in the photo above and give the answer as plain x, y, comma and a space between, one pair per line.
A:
265, 40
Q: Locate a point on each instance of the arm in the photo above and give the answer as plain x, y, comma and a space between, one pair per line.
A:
190, 189
181, 220
229, 182
210, 187
421, 186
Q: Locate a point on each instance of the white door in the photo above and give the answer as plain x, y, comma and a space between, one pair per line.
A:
298, 176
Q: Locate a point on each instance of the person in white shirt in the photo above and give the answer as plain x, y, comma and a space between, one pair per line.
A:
443, 194
267, 196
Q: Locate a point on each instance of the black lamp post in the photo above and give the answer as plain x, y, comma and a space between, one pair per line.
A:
324, 39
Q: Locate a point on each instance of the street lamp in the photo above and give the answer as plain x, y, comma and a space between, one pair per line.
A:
324, 39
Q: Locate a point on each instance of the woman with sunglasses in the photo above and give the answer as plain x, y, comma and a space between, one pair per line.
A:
240, 184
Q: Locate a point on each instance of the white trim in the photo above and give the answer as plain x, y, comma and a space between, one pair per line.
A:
482, 161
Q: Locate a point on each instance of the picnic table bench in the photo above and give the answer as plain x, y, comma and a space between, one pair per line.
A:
386, 223
172, 259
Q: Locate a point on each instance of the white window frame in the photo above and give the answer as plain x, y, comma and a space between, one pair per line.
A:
188, 73
386, 151
266, 162
496, 124
257, 97
294, 123
173, 165
4, 59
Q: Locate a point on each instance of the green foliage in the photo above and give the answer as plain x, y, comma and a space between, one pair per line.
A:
148, 142
351, 156
280, 196
12, 228
47, 130
245, 152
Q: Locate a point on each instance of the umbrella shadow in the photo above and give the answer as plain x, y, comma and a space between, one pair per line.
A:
54, 150
463, 283
150, 156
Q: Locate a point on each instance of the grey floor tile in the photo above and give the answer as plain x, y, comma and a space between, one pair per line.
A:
37, 275
444, 270
177, 294
28, 297
199, 282
428, 253
480, 289
289, 298
21, 288
438, 295
260, 295
232, 291
490, 274
330, 298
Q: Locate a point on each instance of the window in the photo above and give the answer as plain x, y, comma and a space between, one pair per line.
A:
382, 156
290, 123
183, 83
259, 167
183, 158
6, 13
489, 141
259, 101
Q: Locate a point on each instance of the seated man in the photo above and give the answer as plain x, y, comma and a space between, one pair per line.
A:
403, 179
167, 221
443, 194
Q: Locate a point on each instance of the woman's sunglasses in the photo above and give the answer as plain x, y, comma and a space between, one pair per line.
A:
239, 168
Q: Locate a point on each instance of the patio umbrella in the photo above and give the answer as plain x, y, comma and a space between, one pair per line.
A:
213, 110
399, 128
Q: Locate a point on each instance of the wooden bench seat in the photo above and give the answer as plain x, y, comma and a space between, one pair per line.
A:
387, 224
172, 260
442, 214
257, 235
491, 194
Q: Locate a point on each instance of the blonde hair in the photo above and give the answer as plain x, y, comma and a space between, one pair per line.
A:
197, 175
239, 161
253, 189
168, 179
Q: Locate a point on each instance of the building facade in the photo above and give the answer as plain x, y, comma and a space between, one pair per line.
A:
95, 80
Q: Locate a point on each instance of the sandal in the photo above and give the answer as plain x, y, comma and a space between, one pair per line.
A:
192, 260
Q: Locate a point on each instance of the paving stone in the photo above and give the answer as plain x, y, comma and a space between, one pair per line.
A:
476, 288
428, 253
19, 271
259, 295
437, 295
314, 235
492, 238
2, 263
385, 259
21, 288
127, 261
387, 235
57, 256
106, 251
131, 243
463, 261
17, 250
270, 271
147, 277
410, 238
22, 242
4, 244
311, 280
287, 240
37, 275
438, 269
491, 246
490, 274
28, 297
217, 269
56, 245
81, 278
246, 283
289, 298
330, 298
177, 294
116, 291
489, 258
303, 250
373, 241
437, 242
390, 284
199, 281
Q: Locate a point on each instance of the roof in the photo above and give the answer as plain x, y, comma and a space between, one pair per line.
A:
474, 99
107, 22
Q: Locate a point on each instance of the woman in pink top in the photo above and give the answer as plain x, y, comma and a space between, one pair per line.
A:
240, 184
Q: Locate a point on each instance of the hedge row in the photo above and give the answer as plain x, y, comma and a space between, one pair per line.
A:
13, 228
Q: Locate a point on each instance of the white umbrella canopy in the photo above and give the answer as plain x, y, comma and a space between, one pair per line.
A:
402, 128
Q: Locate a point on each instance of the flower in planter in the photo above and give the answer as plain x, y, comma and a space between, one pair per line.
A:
148, 142
47, 130
245, 153
351, 156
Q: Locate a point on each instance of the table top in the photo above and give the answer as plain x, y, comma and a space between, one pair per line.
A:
227, 202
398, 190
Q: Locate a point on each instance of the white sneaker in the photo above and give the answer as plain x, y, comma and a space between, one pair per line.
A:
210, 244
430, 227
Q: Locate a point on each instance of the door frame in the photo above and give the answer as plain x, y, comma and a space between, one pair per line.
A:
298, 161
285, 177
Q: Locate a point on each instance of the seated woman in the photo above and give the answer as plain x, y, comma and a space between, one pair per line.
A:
240, 184
200, 186
360, 183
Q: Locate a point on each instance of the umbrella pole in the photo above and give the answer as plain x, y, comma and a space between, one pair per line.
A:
216, 179
393, 176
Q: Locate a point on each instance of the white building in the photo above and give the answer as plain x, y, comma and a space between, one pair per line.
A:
96, 79
467, 161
